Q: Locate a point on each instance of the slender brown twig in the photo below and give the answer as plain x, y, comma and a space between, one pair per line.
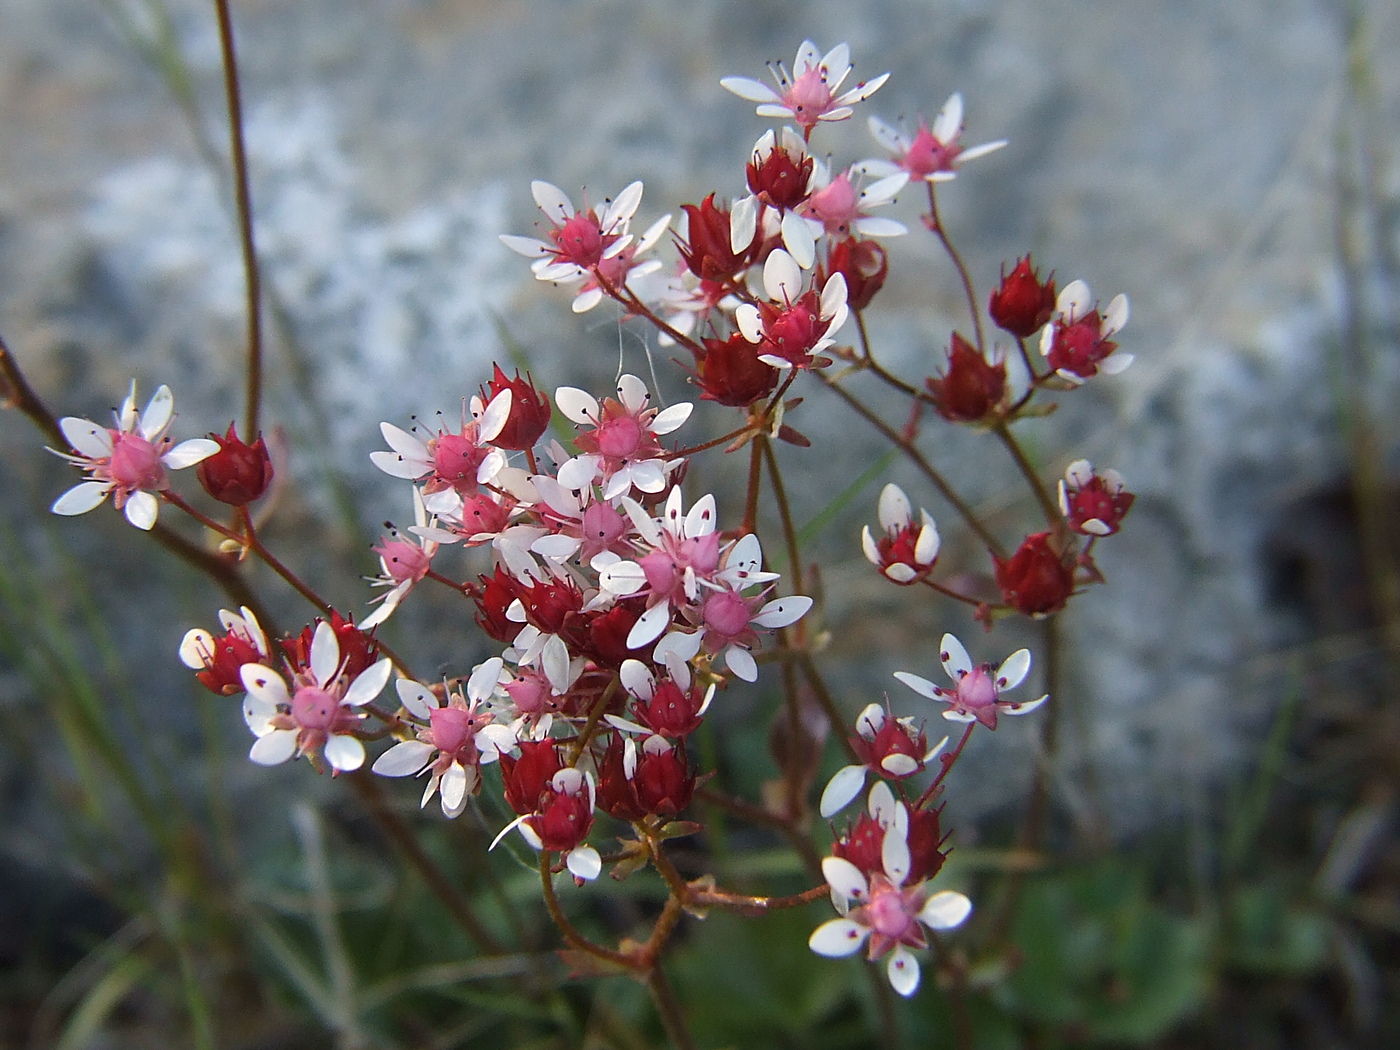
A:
244, 203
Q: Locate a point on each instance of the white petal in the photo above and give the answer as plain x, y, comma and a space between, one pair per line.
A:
577, 405
623, 206
927, 545
632, 392
397, 465
553, 201
950, 119
867, 544
257, 716
554, 659
265, 684
1113, 364
895, 511
954, 657
841, 790
584, 862
671, 418
903, 971
1116, 316
922, 686
158, 412
86, 437
586, 300
678, 644
578, 473
453, 786
745, 557
325, 654
894, 855
529, 247
345, 753
798, 239
858, 94
1013, 669
1022, 709
870, 721
1074, 300
749, 323
368, 684
879, 226
838, 937
194, 647
637, 679
404, 759
741, 662
945, 910
743, 223
495, 417
622, 578
845, 878
416, 699
782, 277
274, 748
141, 510
753, 90
973, 152
188, 453
782, 612
556, 548
81, 498
648, 476
649, 626
899, 764
484, 679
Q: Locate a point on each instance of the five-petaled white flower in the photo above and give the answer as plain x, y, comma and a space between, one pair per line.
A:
932, 154
808, 93
888, 914
319, 715
908, 549
127, 461
976, 692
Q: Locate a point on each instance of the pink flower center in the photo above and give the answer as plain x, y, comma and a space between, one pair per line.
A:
315, 708
403, 560
927, 155
888, 914
531, 693
620, 437
135, 462
452, 729
977, 690
580, 241
456, 458
835, 206
727, 614
808, 97
602, 527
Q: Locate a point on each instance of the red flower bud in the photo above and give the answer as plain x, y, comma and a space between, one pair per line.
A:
864, 264
707, 251
239, 472
565, 813
925, 858
493, 596
780, 178
663, 780
1022, 304
357, 649
731, 373
529, 410
549, 603
526, 778
1094, 502
971, 389
1037, 579
616, 795
671, 711
861, 845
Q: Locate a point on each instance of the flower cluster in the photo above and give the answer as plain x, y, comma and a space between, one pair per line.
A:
618, 608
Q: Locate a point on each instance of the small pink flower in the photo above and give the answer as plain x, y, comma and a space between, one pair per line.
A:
319, 717
931, 154
621, 447
807, 94
127, 461
841, 207
460, 737
795, 325
451, 465
976, 693
886, 913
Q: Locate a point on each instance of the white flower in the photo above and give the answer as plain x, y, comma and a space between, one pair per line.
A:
808, 93
129, 460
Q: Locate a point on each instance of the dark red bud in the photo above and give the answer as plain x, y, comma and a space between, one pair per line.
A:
1022, 305
864, 264
529, 411
971, 388
731, 373
239, 472
1037, 579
